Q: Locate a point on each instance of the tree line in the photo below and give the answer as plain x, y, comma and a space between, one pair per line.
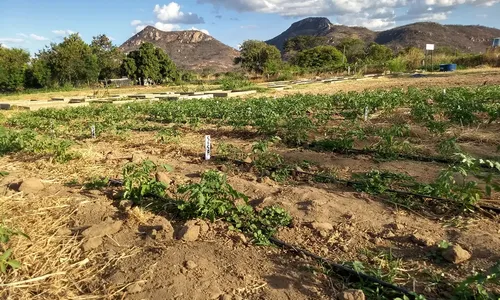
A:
302, 54
74, 63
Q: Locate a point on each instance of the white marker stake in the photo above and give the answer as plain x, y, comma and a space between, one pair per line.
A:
366, 113
444, 91
92, 131
207, 147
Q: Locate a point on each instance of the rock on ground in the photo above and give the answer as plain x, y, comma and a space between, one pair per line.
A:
92, 243
31, 186
456, 254
422, 240
352, 295
190, 265
163, 177
190, 232
321, 226
162, 225
102, 229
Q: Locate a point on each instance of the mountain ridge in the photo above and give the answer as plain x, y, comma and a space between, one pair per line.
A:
465, 38
189, 49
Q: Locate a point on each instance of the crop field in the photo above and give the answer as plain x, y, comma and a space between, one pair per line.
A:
303, 193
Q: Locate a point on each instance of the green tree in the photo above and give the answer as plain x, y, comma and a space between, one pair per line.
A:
379, 53
304, 42
413, 58
129, 68
149, 63
72, 61
324, 57
257, 56
109, 57
354, 49
13, 64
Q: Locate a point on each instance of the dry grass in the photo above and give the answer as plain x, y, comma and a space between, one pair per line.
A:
53, 264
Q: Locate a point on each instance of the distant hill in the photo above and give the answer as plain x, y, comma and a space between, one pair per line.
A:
191, 49
464, 38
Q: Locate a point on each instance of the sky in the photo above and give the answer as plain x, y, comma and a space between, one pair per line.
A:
33, 24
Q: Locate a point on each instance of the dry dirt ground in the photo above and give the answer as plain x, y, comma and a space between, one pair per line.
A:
86, 244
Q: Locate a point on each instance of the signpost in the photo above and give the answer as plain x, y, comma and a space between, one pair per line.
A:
207, 147
429, 47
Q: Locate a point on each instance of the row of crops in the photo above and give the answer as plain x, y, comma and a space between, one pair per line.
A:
319, 122
292, 116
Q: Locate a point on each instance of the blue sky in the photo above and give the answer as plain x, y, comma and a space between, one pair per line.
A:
32, 24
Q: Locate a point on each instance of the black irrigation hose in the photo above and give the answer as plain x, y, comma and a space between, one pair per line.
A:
400, 156
341, 269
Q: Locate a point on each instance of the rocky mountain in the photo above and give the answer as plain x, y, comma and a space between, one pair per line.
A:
464, 38
191, 49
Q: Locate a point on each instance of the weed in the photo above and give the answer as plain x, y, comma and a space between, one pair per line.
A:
96, 183
5, 256
230, 151
3, 173
382, 265
169, 135
378, 182
444, 245
270, 163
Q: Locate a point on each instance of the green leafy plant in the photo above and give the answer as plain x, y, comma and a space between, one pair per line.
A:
476, 286
213, 198
444, 244
5, 257
448, 147
139, 181
454, 183
378, 182
269, 163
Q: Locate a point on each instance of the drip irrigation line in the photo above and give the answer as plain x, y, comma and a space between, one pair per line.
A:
341, 269
354, 183
403, 156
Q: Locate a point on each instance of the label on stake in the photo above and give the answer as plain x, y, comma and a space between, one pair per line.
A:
366, 113
207, 147
92, 131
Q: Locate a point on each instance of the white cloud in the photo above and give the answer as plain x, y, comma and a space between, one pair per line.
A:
136, 22
140, 28
23, 35
202, 30
11, 40
166, 27
63, 32
38, 37
171, 13
378, 14
4, 46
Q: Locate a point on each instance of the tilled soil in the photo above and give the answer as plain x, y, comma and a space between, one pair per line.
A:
118, 252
